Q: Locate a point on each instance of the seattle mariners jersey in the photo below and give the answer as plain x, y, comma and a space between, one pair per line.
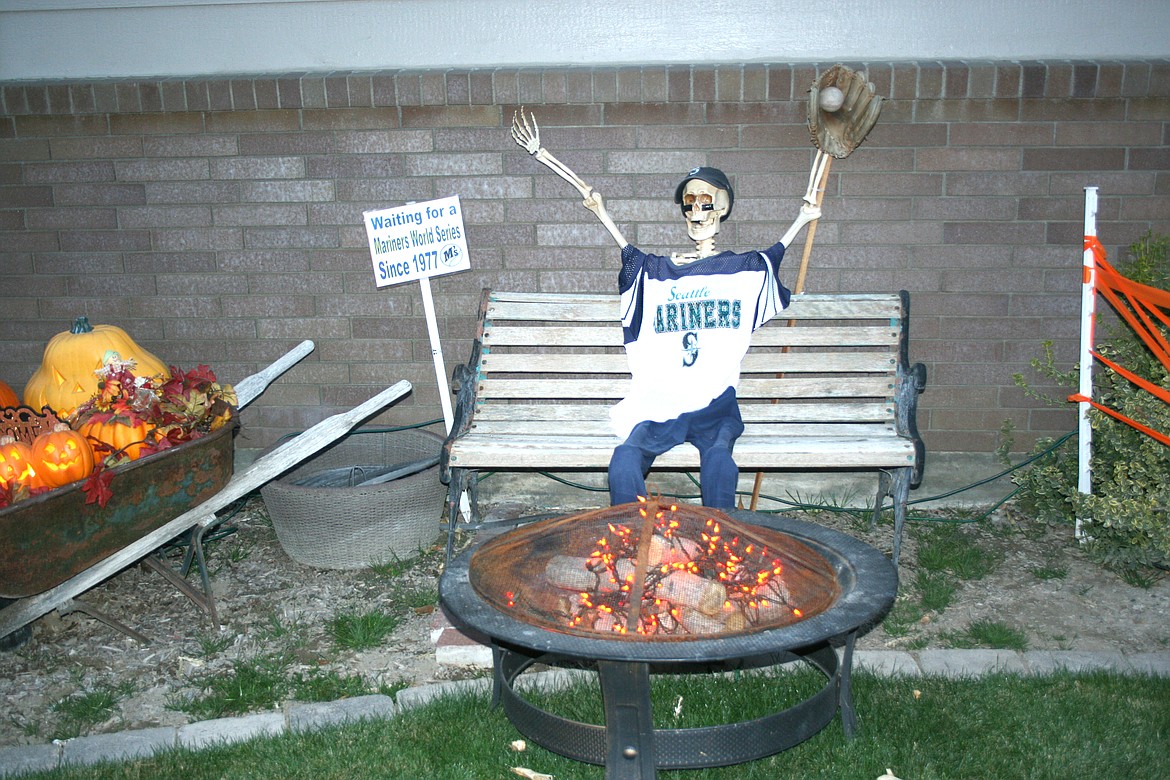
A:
687, 327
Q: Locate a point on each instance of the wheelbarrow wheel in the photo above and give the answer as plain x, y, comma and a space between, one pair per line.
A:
17, 637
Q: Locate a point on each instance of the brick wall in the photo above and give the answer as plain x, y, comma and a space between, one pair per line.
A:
219, 221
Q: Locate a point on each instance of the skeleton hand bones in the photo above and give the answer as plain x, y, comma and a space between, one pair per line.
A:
528, 136
820, 163
810, 208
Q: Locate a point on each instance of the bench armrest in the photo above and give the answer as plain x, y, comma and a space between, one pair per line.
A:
465, 384
910, 385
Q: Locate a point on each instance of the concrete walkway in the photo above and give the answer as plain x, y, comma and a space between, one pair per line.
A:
140, 743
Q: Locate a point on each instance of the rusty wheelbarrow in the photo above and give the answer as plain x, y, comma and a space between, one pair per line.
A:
158, 499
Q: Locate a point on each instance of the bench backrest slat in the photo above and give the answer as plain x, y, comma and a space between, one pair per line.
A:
510, 334
536, 307
754, 362
615, 389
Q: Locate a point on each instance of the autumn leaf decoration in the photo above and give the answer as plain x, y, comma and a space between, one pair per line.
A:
97, 487
191, 404
187, 406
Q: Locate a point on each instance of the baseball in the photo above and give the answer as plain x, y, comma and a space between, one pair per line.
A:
831, 99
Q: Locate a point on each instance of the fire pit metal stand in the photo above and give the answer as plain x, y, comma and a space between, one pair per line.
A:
628, 745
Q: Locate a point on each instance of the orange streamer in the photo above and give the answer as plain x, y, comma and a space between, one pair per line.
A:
1142, 305
1119, 416
1144, 384
1139, 305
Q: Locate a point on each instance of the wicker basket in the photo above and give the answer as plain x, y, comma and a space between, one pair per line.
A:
354, 527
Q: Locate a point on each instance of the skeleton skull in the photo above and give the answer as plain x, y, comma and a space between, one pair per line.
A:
704, 206
706, 198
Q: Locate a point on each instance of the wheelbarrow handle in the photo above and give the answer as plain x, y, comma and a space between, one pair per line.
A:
249, 388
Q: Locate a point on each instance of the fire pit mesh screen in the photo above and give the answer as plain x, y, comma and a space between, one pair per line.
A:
653, 570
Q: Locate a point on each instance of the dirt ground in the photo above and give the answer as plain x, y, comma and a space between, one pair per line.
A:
1044, 586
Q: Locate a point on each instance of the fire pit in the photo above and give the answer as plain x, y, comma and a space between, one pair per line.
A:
637, 589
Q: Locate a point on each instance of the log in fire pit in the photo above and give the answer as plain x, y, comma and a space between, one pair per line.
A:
656, 587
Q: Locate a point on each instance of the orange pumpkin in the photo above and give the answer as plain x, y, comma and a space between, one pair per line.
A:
119, 433
16, 464
66, 378
62, 456
8, 396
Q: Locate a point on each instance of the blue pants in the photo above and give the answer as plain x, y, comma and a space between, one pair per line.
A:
713, 430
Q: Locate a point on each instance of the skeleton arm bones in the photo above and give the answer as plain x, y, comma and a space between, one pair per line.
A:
529, 137
810, 209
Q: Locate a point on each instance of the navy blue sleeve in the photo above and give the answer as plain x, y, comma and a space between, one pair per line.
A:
630, 265
775, 255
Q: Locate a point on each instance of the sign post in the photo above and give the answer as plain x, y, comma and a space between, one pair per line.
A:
413, 243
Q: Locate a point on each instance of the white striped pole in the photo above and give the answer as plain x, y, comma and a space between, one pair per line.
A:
1088, 318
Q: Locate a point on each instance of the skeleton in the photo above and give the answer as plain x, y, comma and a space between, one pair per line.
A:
670, 401
704, 205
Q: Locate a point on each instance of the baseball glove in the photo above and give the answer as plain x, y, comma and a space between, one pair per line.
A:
838, 132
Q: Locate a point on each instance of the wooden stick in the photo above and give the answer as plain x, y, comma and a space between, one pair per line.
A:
638, 586
798, 288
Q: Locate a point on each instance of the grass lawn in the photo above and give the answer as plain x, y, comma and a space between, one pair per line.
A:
1090, 725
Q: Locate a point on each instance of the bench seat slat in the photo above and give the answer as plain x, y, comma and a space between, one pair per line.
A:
750, 411
601, 428
519, 451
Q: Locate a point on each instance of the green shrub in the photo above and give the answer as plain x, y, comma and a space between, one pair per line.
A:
1128, 514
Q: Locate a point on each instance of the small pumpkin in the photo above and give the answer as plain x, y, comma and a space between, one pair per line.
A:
16, 464
62, 456
8, 396
119, 433
66, 379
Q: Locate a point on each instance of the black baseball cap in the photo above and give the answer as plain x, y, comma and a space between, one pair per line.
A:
712, 176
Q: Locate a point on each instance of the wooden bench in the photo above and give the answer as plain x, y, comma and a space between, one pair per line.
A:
826, 385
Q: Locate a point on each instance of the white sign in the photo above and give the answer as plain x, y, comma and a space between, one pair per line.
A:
417, 241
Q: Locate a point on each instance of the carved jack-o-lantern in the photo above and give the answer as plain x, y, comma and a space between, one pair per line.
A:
16, 464
66, 378
62, 456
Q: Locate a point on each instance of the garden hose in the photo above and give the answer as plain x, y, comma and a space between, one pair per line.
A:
794, 505
803, 506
